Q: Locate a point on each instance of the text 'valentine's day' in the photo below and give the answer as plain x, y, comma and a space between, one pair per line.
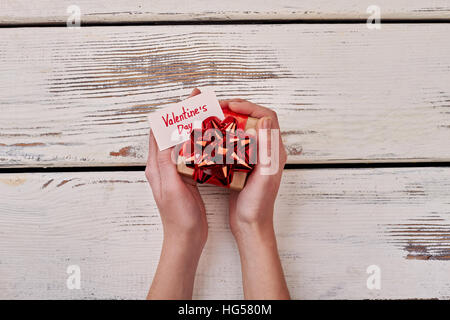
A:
173, 119
174, 123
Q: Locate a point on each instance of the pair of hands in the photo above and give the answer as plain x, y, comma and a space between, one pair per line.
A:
184, 220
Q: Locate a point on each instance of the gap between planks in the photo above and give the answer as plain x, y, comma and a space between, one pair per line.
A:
289, 166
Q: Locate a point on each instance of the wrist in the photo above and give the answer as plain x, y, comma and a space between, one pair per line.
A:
256, 224
185, 239
254, 233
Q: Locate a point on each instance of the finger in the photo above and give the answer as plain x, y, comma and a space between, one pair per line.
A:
151, 170
167, 167
272, 133
264, 147
233, 100
194, 92
274, 145
264, 126
262, 175
254, 110
224, 103
257, 111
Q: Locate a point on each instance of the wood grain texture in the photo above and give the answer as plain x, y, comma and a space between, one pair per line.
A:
331, 225
113, 11
343, 93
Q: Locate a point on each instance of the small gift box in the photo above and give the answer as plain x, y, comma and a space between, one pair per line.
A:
221, 152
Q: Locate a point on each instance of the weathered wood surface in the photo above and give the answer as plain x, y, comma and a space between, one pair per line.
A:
113, 11
343, 93
331, 225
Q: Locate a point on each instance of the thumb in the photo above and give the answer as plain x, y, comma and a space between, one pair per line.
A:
167, 167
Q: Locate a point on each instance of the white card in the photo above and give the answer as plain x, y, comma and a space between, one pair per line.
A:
174, 123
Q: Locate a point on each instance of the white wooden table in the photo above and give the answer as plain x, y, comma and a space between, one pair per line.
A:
365, 115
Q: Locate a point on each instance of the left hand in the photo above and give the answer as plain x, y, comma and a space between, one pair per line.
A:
179, 202
184, 222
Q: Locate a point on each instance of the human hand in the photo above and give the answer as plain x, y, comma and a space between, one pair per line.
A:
253, 206
179, 202
184, 222
251, 209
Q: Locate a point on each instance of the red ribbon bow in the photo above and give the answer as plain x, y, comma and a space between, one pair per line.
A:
219, 149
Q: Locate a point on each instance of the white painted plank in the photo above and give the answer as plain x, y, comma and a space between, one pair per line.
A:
110, 11
331, 225
343, 93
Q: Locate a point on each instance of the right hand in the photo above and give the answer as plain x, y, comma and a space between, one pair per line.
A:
253, 206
